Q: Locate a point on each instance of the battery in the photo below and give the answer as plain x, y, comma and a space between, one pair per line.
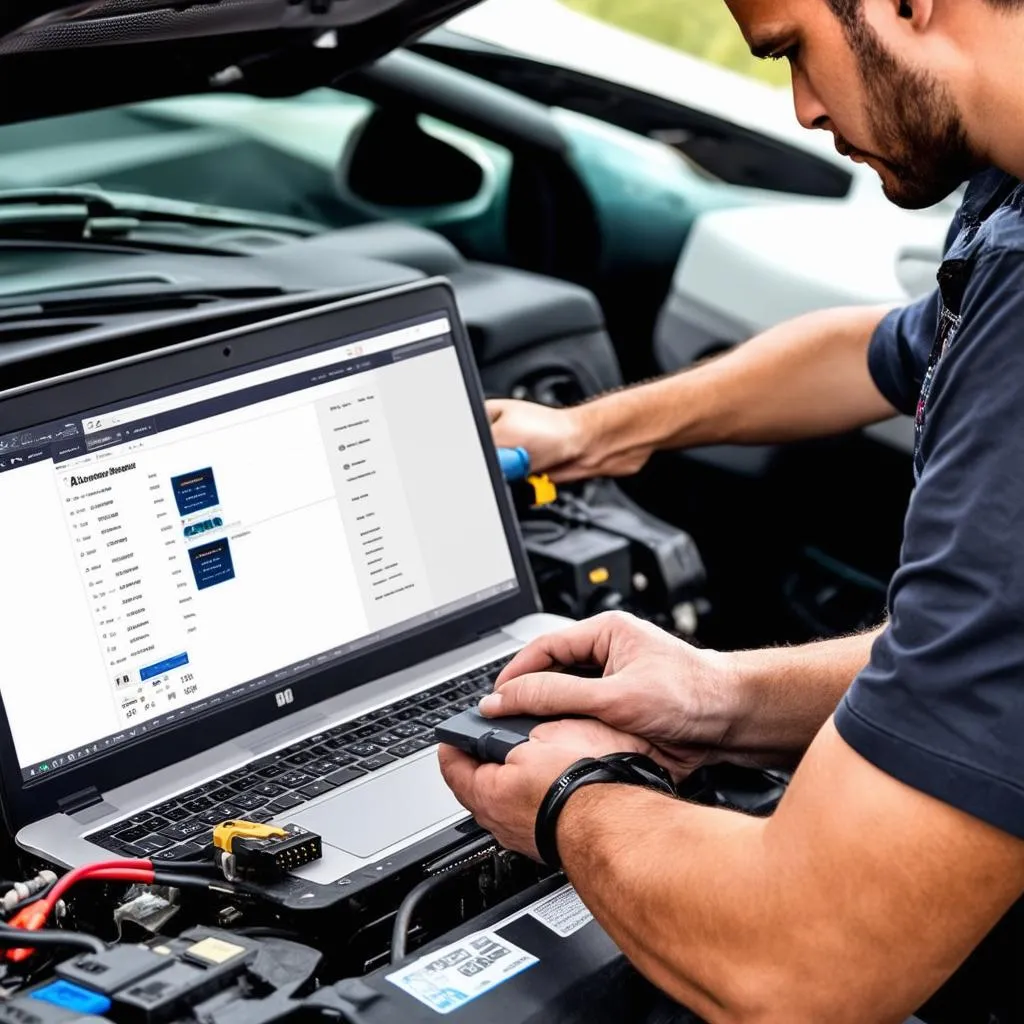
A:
540, 958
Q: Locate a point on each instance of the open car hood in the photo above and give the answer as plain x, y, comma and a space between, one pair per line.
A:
56, 58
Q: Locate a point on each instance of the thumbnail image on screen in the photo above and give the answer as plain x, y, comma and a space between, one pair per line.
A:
195, 491
212, 564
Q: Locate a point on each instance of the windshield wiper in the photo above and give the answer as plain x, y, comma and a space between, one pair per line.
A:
92, 213
65, 304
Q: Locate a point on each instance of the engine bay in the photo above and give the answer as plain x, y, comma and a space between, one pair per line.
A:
229, 937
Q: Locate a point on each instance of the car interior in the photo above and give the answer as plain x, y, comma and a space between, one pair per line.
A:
562, 262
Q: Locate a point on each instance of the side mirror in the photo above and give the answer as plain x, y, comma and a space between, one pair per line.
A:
393, 162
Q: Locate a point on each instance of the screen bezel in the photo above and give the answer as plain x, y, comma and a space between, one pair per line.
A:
128, 379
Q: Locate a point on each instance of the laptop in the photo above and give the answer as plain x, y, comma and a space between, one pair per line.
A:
245, 577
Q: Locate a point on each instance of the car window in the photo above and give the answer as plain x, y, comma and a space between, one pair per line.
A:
275, 156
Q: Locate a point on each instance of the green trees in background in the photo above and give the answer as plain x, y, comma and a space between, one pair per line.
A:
701, 27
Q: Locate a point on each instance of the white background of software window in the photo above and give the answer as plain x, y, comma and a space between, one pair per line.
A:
52, 656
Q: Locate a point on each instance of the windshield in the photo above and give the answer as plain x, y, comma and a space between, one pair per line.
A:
273, 156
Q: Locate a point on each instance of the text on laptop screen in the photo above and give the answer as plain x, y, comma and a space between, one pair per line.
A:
192, 547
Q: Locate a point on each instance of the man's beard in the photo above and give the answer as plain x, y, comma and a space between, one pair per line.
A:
915, 121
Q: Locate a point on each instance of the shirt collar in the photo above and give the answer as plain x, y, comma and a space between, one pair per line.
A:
986, 191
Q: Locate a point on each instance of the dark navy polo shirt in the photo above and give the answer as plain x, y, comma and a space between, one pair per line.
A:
940, 706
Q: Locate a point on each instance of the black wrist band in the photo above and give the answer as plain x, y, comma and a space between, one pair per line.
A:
582, 773
628, 769
641, 770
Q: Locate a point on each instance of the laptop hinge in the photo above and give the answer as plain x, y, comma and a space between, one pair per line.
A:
76, 802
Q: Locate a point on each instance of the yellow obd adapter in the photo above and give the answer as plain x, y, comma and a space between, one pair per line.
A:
249, 849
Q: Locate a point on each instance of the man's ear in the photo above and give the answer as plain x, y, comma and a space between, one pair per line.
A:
917, 13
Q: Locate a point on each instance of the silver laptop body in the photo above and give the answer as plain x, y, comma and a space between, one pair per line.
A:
238, 559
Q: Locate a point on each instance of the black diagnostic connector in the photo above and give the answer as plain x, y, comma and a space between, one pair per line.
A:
249, 849
487, 739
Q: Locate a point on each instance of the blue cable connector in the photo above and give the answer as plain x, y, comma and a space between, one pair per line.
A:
515, 463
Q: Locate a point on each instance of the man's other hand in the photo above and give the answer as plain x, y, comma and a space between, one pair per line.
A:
554, 438
680, 701
569, 444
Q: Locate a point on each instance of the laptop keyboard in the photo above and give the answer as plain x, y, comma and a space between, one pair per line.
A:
181, 828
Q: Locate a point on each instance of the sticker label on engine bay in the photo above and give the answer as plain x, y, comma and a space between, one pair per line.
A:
563, 912
459, 973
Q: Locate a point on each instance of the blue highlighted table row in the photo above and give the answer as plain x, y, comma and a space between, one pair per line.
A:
162, 667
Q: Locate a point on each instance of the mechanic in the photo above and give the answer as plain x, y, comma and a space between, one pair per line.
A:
899, 844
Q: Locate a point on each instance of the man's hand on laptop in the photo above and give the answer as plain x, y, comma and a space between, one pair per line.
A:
680, 701
505, 798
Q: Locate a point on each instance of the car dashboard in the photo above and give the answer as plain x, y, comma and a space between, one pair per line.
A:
89, 304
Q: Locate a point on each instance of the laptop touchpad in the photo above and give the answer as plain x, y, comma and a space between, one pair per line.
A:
384, 811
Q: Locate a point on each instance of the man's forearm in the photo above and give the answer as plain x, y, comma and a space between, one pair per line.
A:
805, 378
821, 912
786, 694
680, 898
758, 921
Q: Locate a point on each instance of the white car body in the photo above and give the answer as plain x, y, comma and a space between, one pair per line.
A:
551, 33
745, 269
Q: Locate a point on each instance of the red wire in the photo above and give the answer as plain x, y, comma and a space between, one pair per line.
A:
109, 869
35, 915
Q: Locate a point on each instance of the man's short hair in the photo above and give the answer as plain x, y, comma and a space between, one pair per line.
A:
849, 11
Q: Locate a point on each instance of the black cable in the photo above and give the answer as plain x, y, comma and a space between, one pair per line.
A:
217, 883
18, 938
28, 900
576, 510
188, 867
403, 919
544, 531
179, 880
449, 866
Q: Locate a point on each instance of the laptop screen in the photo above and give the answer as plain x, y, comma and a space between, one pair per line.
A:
190, 547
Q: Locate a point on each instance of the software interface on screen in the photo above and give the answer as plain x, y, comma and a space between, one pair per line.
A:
189, 548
